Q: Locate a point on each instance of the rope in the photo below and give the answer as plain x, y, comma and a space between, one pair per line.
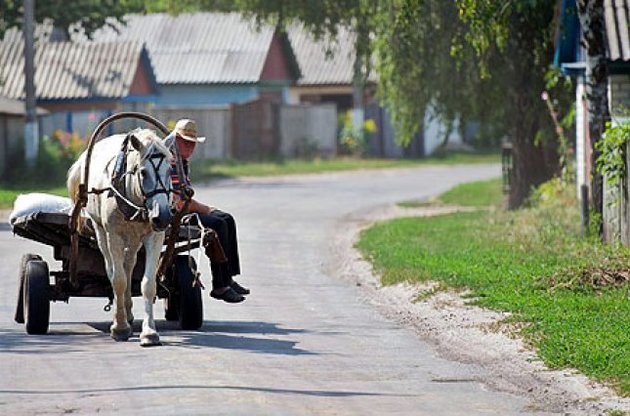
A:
186, 220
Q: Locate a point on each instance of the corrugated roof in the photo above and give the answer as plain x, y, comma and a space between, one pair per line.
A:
324, 61
617, 15
65, 70
198, 48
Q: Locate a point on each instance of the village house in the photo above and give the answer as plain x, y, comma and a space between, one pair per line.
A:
78, 83
570, 58
232, 76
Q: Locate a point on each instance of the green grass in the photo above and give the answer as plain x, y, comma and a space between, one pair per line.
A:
531, 263
208, 170
476, 194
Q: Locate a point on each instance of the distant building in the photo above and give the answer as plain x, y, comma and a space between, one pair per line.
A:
207, 59
79, 83
326, 66
12, 119
570, 58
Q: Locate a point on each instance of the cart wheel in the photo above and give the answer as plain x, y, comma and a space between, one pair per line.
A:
190, 309
19, 309
36, 297
171, 307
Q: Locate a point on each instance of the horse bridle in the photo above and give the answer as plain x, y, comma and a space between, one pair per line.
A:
130, 210
160, 187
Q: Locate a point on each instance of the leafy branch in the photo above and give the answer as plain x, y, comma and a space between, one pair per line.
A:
613, 147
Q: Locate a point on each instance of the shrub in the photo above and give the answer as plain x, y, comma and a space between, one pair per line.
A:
352, 141
55, 156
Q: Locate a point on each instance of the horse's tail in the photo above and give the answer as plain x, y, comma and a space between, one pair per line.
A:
74, 178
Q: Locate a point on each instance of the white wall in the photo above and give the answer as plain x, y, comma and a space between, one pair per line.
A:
434, 131
314, 125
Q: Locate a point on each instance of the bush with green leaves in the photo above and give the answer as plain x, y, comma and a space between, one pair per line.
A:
613, 147
55, 156
355, 141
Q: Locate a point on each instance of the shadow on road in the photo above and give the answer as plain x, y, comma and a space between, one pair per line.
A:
70, 337
259, 345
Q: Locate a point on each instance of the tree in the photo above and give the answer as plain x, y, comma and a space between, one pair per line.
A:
414, 45
472, 60
86, 15
591, 14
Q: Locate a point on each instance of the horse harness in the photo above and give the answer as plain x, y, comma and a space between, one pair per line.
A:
127, 208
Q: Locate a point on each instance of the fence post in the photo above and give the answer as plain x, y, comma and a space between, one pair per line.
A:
584, 208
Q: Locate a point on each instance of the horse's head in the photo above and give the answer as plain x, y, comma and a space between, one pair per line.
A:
154, 179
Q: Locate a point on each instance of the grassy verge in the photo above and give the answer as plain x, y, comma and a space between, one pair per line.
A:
572, 292
476, 194
208, 170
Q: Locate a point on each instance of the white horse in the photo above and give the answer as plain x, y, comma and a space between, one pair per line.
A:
144, 186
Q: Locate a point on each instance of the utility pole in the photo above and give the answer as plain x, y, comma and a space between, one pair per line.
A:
31, 129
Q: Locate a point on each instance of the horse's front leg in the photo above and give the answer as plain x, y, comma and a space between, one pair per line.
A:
153, 245
120, 329
131, 256
113, 255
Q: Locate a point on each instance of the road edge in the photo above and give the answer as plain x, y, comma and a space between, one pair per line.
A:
464, 333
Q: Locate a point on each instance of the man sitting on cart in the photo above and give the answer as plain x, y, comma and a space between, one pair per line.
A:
184, 135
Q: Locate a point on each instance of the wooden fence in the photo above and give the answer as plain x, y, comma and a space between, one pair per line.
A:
617, 208
212, 122
260, 128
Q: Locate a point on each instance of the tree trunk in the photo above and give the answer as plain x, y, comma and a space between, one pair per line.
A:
361, 68
532, 162
591, 14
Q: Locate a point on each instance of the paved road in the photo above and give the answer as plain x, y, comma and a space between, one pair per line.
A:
303, 343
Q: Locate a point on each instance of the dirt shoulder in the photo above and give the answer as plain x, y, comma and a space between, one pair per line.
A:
465, 333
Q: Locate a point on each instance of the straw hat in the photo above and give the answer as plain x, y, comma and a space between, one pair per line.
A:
187, 129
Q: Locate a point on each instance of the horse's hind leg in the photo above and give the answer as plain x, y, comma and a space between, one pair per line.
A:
152, 244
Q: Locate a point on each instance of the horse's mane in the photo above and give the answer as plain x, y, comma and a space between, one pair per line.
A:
148, 138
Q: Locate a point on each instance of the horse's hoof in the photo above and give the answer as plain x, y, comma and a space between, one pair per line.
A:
121, 334
150, 340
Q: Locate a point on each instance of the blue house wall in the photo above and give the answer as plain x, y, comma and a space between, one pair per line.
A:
202, 95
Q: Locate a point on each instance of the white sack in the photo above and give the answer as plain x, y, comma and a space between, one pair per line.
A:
26, 204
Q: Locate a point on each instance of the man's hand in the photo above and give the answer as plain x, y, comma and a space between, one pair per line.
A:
188, 192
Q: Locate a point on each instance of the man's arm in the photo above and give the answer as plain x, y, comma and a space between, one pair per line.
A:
196, 206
